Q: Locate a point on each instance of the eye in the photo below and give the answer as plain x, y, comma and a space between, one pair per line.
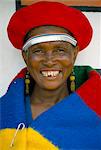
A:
37, 51
60, 50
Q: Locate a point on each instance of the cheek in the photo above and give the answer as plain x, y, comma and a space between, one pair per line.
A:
33, 66
67, 61
67, 64
34, 62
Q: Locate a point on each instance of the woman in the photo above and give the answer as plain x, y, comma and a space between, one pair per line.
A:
41, 109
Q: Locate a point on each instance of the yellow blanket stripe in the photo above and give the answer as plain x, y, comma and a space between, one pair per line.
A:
26, 139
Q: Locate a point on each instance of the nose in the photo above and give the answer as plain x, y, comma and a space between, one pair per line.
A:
49, 59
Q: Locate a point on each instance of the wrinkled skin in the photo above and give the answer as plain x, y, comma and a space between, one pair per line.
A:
45, 57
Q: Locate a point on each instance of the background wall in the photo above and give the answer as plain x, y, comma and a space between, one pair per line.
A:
11, 61
69, 2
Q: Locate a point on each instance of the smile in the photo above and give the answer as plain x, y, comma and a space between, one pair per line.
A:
50, 73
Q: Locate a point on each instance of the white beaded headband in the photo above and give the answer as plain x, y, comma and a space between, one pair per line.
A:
47, 38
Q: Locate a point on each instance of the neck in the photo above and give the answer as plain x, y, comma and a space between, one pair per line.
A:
40, 95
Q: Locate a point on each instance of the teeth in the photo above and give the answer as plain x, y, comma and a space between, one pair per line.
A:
50, 73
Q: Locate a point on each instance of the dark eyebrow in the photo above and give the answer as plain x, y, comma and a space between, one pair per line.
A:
64, 45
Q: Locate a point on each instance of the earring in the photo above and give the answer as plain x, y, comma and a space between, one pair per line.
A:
72, 81
27, 83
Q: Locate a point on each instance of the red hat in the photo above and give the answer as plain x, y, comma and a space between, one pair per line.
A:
49, 13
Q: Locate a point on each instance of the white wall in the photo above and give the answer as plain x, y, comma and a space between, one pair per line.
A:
11, 60
92, 54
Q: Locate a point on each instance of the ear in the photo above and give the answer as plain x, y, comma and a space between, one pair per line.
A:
25, 57
76, 50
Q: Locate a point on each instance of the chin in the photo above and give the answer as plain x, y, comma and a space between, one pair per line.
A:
51, 86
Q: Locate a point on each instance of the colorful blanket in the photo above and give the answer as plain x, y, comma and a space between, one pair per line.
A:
72, 124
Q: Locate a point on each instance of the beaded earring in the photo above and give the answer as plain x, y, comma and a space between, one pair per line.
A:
72, 81
27, 83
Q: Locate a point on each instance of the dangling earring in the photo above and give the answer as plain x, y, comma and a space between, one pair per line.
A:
27, 83
72, 81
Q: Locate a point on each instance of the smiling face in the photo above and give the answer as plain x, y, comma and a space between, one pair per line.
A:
50, 63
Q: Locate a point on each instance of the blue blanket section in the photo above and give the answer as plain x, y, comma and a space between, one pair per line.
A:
12, 107
70, 124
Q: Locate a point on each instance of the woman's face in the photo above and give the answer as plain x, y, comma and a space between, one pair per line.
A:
50, 63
